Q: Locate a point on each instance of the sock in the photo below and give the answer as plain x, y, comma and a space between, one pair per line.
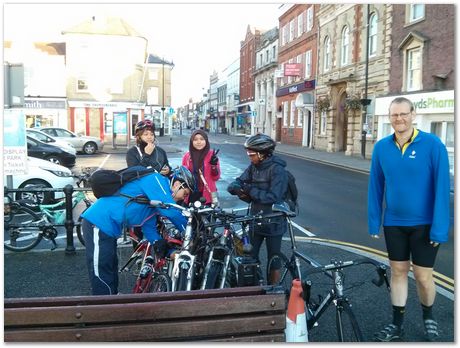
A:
427, 312
398, 315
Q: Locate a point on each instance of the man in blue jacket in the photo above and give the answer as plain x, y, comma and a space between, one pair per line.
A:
410, 169
104, 221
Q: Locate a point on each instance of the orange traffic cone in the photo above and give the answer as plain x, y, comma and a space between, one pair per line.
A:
296, 320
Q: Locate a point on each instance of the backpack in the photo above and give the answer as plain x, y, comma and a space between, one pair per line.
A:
106, 182
291, 193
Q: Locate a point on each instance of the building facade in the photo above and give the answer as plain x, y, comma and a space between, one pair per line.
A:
353, 69
297, 60
265, 83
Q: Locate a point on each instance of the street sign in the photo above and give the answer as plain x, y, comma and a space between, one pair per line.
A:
14, 142
171, 110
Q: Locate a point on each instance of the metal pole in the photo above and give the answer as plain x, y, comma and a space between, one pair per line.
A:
69, 224
366, 78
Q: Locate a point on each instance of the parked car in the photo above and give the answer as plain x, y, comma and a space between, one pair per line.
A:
41, 173
39, 135
83, 143
39, 149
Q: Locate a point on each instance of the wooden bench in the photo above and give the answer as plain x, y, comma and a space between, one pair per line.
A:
246, 314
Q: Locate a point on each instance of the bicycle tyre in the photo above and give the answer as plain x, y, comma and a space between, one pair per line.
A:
160, 283
182, 280
347, 326
213, 275
28, 236
80, 232
287, 271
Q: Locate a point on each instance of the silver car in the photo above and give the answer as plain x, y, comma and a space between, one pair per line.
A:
88, 145
39, 135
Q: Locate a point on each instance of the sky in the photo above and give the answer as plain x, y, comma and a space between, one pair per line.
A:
198, 37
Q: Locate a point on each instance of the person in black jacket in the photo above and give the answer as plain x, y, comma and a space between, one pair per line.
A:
146, 153
262, 184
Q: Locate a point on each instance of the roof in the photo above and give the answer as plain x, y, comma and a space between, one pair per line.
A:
154, 59
103, 26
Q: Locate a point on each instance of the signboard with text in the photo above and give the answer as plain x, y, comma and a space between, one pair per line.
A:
292, 69
120, 126
14, 142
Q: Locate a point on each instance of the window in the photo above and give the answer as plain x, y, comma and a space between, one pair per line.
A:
345, 46
416, 12
261, 60
285, 113
299, 61
291, 30
299, 118
152, 96
274, 53
414, 74
327, 54
300, 24
309, 18
284, 38
82, 84
293, 112
445, 132
373, 35
308, 64
323, 123
267, 56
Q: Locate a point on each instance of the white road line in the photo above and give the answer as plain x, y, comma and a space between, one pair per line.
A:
103, 162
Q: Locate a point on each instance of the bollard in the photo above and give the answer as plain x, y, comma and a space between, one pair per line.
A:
69, 224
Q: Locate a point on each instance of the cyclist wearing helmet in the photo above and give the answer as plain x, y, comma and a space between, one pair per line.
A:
104, 221
263, 183
146, 153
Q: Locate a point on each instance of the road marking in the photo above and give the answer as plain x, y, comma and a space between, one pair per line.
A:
103, 162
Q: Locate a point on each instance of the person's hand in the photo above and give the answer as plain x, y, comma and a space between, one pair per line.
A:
434, 244
165, 170
149, 148
376, 236
214, 159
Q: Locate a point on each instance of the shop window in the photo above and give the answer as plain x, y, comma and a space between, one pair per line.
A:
285, 113
293, 112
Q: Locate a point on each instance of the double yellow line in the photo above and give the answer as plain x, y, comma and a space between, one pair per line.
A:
439, 279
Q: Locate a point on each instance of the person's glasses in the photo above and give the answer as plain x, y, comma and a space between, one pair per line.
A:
401, 114
250, 154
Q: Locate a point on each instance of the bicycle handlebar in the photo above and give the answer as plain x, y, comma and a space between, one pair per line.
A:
336, 265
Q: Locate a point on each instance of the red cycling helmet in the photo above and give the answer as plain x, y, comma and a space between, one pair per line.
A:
145, 124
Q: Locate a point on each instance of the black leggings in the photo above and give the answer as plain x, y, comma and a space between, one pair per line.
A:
273, 244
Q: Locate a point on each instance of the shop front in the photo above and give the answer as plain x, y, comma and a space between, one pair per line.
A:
45, 112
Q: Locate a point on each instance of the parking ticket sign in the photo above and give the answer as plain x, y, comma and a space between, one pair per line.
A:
14, 142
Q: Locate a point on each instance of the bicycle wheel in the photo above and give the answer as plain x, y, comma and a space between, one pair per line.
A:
79, 231
22, 234
347, 326
215, 271
182, 280
160, 283
287, 271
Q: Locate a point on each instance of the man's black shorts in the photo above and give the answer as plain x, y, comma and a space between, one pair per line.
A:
406, 241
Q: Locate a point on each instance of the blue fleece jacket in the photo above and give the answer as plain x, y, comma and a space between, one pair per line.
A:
415, 184
111, 213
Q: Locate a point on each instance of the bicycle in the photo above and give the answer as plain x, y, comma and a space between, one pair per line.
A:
32, 226
346, 322
187, 262
228, 250
153, 274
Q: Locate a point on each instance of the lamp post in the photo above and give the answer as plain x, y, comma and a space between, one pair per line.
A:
162, 128
365, 102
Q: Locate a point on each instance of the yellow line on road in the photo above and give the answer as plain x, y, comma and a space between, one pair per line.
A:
446, 282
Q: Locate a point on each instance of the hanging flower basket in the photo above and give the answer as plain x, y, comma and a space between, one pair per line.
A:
353, 103
323, 104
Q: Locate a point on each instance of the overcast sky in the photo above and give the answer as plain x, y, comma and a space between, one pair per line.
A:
198, 38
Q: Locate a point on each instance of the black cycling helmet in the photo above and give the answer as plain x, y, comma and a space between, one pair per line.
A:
260, 143
145, 124
183, 175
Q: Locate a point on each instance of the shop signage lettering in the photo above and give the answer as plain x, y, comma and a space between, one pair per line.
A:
44, 104
433, 103
300, 87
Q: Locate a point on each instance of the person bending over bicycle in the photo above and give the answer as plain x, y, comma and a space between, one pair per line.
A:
263, 183
104, 221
